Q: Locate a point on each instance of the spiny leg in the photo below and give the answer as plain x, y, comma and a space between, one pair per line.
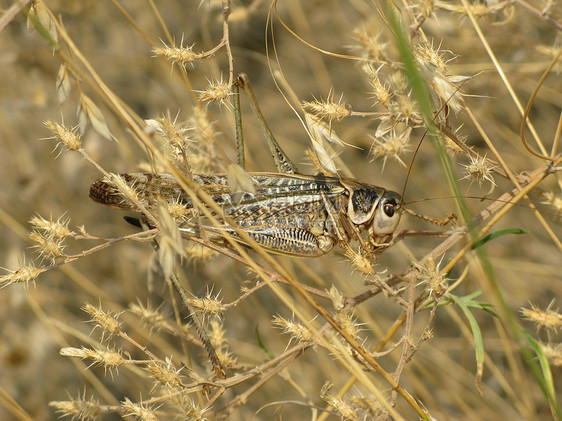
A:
239, 130
442, 222
282, 161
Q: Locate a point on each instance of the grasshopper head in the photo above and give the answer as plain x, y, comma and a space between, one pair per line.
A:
375, 209
386, 217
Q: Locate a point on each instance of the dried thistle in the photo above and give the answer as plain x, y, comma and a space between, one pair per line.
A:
177, 55
297, 331
209, 305
217, 91
548, 319
380, 91
48, 247
24, 275
344, 409
127, 192
139, 411
67, 138
165, 374
79, 408
433, 277
329, 109
216, 335
348, 323
107, 359
187, 407
479, 169
107, 322
423, 9
434, 66
359, 261
175, 134
149, 316
391, 145
370, 46
55, 229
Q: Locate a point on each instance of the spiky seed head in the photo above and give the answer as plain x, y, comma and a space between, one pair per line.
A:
139, 410
24, 275
297, 331
479, 169
177, 55
66, 137
548, 319
107, 322
80, 408
56, 229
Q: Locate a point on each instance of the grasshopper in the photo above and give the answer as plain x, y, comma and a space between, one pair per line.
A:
287, 213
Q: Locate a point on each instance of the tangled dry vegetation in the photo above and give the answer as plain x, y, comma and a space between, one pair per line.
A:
97, 325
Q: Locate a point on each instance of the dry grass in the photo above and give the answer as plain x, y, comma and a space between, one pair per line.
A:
297, 339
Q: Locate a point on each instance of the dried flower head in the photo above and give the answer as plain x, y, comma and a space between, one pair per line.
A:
48, 247
149, 316
344, 409
186, 406
297, 331
175, 135
423, 9
24, 275
360, 261
217, 91
348, 323
56, 229
139, 411
369, 46
209, 305
433, 277
107, 359
165, 374
479, 169
380, 91
80, 408
329, 109
107, 322
391, 145
548, 319
66, 137
177, 55
434, 66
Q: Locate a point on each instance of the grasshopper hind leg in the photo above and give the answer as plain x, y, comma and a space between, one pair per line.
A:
291, 241
288, 241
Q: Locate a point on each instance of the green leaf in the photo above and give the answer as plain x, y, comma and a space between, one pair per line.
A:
262, 345
547, 383
465, 303
496, 234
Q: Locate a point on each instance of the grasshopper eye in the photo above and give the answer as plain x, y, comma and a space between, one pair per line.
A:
386, 217
389, 209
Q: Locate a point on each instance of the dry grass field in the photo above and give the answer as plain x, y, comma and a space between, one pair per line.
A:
462, 327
